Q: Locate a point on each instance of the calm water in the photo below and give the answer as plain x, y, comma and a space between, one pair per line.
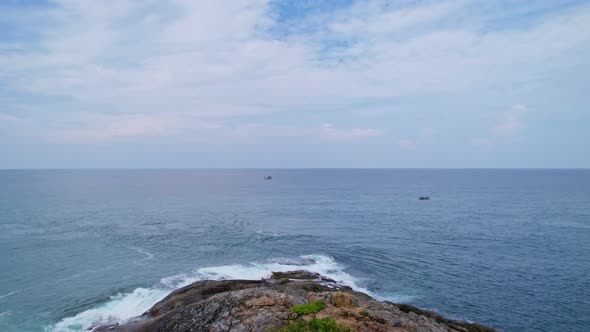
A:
509, 248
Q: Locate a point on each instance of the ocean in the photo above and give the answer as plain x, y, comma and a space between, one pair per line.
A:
507, 248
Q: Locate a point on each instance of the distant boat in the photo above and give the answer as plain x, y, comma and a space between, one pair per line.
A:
268, 177
424, 198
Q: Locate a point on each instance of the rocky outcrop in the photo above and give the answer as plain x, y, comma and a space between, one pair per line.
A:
263, 305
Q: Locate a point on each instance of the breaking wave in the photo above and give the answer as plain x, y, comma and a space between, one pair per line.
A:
122, 307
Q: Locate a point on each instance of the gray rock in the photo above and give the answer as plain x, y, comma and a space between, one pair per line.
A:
257, 306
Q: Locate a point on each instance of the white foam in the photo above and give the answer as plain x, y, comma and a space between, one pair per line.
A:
323, 265
272, 234
5, 313
122, 307
148, 256
396, 297
9, 293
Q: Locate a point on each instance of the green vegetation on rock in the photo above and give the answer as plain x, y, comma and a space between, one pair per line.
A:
314, 325
308, 308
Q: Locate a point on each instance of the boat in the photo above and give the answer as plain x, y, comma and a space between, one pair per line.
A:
424, 198
268, 177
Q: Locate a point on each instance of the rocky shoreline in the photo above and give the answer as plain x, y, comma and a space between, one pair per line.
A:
285, 302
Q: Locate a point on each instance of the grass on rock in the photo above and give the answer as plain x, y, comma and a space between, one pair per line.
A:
308, 308
314, 325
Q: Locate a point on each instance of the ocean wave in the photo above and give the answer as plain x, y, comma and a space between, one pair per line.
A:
5, 313
270, 234
122, 307
8, 294
119, 308
148, 255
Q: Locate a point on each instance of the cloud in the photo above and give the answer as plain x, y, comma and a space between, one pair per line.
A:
110, 128
407, 144
512, 121
322, 133
331, 133
91, 128
7, 118
427, 132
197, 56
425, 135
107, 71
482, 142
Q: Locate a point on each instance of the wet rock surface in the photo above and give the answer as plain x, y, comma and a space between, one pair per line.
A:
262, 305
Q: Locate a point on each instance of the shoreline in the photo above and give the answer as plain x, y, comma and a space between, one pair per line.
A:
275, 303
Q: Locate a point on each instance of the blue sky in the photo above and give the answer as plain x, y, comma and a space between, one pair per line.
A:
256, 83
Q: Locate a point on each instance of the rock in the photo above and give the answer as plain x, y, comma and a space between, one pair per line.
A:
301, 275
343, 300
261, 302
262, 305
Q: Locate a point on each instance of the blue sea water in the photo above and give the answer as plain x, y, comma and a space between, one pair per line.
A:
508, 248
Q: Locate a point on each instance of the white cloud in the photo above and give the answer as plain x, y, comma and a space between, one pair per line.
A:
424, 136
108, 128
427, 132
7, 118
512, 121
332, 133
371, 18
482, 142
326, 133
133, 127
407, 144
158, 65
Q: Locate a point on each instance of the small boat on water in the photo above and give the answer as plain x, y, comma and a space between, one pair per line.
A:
268, 177
424, 198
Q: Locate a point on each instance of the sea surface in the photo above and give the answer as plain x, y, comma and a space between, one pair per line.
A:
508, 248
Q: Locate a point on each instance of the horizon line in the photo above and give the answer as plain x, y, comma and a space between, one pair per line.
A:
292, 168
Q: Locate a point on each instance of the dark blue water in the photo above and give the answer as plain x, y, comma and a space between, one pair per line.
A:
508, 248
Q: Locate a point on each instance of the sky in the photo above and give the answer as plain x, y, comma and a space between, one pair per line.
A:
306, 83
